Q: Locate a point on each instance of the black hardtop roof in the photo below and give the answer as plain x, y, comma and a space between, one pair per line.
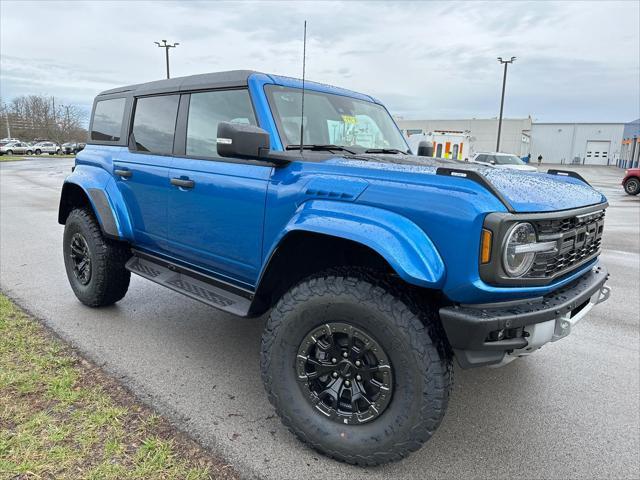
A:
232, 78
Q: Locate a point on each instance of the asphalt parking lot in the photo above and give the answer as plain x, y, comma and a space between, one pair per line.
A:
569, 411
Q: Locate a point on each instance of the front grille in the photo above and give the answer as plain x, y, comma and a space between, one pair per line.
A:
579, 239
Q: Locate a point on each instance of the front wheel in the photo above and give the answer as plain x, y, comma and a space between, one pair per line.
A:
95, 265
632, 186
29, 152
38, 151
355, 369
9, 152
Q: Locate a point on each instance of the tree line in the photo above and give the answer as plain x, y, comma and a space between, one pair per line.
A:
39, 117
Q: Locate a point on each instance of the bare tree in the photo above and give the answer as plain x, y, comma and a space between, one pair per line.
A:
37, 117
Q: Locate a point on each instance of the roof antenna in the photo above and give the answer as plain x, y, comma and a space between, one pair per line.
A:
304, 61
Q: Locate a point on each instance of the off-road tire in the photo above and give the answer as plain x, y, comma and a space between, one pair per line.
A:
109, 278
412, 339
632, 186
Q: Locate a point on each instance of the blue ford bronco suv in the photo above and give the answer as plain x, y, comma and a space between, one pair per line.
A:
376, 267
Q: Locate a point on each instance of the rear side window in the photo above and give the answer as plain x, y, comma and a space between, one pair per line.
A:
107, 120
154, 123
206, 110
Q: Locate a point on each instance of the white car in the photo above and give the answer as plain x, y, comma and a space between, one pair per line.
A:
46, 147
502, 160
16, 148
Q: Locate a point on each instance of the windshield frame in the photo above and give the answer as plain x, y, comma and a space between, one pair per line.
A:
268, 89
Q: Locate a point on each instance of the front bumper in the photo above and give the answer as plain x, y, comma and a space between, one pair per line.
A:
494, 334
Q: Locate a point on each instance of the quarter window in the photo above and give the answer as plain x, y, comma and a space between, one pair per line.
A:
206, 110
154, 123
107, 120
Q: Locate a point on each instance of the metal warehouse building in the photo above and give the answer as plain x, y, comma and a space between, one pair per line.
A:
630, 151
483, 132
580, 143
584, 143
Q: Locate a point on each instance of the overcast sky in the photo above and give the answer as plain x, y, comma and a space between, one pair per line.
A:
576, 61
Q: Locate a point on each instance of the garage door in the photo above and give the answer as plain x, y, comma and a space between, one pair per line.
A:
597, 153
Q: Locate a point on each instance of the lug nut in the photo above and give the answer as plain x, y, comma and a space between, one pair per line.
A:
347, 383
334, 360
358, 363
345, 354
334, 374
358, 377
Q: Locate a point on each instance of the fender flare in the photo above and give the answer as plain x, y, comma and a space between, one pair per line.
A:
404, 245
105, 198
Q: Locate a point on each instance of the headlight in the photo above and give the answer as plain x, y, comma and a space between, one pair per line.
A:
518, 255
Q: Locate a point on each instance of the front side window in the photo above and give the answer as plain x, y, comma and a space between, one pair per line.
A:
206, 110
107, 120
333, 119
154, 123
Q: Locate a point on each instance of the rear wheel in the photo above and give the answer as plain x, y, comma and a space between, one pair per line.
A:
95, 265
29, 152
632, 186
355, 369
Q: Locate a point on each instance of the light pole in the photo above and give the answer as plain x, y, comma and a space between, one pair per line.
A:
166, 47
504, 83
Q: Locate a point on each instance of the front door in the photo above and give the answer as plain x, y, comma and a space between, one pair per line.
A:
216, 205
142, 171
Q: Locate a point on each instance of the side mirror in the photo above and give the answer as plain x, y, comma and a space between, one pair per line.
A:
242, 141
425, 149
492, 162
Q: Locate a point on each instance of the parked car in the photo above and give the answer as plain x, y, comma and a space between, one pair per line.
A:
16, 148
631, 181
502, 160
376, 268
71, 148
9, 140
46, 147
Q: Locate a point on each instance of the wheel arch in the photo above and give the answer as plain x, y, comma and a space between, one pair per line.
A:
325, 234
94, 188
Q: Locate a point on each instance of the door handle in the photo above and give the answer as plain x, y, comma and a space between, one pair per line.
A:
182, 182
123, 173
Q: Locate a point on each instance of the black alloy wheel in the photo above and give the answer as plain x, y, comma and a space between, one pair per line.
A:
344, 373
632, 186
80, 258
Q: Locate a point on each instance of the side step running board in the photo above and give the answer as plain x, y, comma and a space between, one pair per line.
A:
192, 284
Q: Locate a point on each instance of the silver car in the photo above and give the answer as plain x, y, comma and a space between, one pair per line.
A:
16, 148
46, 147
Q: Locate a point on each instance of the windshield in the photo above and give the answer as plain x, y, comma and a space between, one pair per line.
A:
508, 160
333, 120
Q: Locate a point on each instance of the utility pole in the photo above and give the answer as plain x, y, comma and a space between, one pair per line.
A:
504, 83
166, 47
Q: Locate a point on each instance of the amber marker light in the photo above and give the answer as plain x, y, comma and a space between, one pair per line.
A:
485, 246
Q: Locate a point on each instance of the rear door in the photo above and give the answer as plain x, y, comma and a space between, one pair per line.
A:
216, 205
142, 171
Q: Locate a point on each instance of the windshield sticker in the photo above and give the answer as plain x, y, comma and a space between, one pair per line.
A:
349, 119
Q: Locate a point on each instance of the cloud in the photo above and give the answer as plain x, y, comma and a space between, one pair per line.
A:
576, 61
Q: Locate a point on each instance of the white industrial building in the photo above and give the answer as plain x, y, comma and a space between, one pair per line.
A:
584, 143
483, 132
579, 143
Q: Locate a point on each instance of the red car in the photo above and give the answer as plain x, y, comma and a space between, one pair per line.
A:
631, 181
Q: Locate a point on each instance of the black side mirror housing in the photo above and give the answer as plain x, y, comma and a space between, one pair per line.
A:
425, 149
243, 141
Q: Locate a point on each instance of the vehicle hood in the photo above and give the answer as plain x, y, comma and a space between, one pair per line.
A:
525, 191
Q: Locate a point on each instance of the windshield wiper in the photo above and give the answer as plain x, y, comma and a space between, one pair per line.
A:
384, 150
317, 146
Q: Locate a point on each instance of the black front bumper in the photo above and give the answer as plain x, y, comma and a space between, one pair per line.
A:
468, 327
